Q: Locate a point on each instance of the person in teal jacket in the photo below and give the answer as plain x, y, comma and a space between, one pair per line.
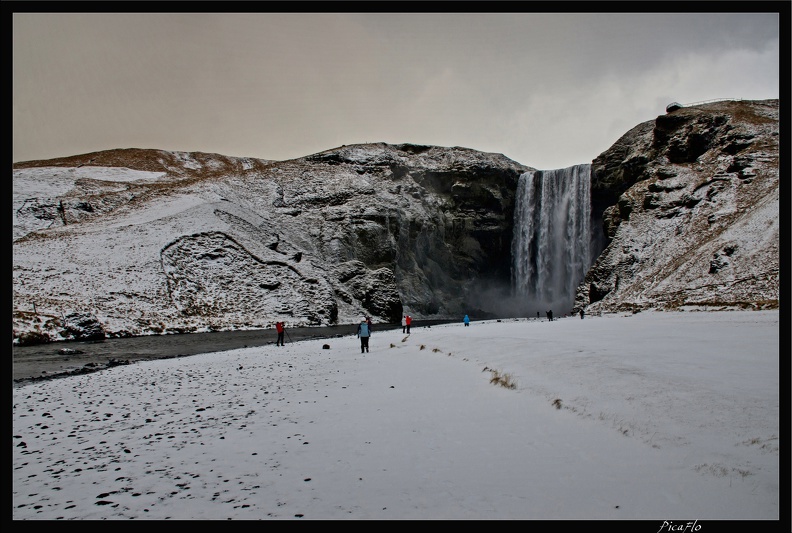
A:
466, 320
364, 332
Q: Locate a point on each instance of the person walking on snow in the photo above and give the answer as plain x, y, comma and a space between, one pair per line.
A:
363, 332
407, 322
466, 320
280, 329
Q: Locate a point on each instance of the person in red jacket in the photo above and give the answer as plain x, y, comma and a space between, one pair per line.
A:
280, 328
407, 322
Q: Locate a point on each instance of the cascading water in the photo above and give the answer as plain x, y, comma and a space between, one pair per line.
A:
551, 244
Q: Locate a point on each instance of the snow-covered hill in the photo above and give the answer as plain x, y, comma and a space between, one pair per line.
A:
145, 241
135, 242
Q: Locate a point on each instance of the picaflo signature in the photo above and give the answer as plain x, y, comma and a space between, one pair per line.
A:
680, 526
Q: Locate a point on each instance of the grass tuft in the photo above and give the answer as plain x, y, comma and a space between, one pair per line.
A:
504, 380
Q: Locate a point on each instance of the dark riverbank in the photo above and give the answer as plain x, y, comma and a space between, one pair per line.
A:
44, 361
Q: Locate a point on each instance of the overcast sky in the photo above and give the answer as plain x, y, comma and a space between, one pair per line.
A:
547, 90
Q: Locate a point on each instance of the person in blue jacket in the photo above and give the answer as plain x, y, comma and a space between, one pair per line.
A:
466, 320
364, 332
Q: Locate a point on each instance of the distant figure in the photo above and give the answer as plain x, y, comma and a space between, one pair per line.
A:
280, 328
368, 321
363, 332
404, 327
407, 322
537, 315
581, 313
550, 315
466, 320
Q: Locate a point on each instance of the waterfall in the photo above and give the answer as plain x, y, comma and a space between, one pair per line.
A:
551, 244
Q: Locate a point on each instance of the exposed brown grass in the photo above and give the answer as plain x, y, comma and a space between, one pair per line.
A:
504, 380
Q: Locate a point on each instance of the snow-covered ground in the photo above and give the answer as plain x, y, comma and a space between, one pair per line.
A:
669, 417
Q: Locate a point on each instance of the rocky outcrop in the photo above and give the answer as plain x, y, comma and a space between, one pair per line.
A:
82, 327
691, 210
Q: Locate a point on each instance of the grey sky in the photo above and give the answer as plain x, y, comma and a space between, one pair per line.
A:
547, 90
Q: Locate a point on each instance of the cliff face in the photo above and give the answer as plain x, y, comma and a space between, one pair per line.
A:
150, 241
440, 218
693, 213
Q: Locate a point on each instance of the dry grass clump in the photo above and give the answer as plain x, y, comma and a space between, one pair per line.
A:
33, 337
504, 380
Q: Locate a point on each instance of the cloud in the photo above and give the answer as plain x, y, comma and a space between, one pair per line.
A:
546, 89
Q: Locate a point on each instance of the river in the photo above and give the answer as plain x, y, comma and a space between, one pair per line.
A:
43, 361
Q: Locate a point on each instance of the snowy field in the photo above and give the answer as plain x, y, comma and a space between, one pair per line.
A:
654, 416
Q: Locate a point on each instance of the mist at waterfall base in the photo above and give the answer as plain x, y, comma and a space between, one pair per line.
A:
554, 241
